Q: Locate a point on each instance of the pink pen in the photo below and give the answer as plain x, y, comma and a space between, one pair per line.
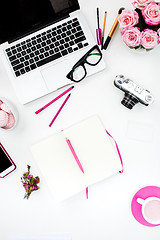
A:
77, 160
98, 31
59, 110
74, 154
55, 99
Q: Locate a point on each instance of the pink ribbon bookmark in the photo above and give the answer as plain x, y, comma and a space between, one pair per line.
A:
119, 154
119, 157
87, 192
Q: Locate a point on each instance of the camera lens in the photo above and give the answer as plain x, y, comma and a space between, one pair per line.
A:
129, 100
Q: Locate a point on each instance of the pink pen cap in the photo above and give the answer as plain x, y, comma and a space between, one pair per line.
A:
98, 30
99, 36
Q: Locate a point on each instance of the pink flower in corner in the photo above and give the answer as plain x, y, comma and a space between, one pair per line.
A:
29, 183
141, 3
149, 39
128, 18
26, 186
37, 179
29, 176
131, 36
151, 14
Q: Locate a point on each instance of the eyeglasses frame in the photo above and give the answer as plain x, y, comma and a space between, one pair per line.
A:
82, 63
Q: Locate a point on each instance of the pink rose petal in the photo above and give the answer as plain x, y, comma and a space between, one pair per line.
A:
151, 14
3, 118
11, 122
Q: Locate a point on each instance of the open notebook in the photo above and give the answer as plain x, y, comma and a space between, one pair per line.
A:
95, 152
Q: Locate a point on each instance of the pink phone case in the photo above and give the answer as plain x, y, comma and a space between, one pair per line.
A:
9, 159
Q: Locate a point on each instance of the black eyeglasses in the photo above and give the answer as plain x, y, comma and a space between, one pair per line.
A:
79, 72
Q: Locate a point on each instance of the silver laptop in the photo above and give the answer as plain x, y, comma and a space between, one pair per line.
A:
40, 42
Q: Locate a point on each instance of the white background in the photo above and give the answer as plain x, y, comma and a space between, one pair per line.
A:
107, 212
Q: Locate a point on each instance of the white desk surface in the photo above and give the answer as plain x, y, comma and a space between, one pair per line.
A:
107, 212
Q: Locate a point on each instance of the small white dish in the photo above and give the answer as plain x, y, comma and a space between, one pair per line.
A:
13, 111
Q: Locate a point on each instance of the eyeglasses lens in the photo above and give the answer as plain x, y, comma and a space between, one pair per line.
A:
93, 57
78, 73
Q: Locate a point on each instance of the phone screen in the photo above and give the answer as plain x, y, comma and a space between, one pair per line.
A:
4, 161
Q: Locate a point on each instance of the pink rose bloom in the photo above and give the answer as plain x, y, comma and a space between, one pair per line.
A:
151, 14
131, 36
128, 18
141, 3
149, 39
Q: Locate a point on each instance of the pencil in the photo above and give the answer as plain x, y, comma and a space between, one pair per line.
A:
55, 99
98, 17
59, 110
98, 30
112, 30
104, 24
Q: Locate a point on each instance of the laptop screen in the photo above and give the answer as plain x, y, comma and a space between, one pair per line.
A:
19, 17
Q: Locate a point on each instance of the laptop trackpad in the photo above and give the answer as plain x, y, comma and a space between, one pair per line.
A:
55, 75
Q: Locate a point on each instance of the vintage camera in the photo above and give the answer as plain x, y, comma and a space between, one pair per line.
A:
133, 92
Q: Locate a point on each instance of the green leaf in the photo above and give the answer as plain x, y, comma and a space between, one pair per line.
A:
149, 49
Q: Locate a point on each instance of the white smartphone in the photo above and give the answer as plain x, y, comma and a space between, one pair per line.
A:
6, 163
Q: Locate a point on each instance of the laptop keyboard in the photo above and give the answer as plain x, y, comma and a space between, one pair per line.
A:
46, 47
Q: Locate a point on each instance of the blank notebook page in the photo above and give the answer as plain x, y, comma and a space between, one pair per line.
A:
94, 150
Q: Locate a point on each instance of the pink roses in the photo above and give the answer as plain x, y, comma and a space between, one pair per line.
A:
128, 18
131, 36
149, 39
141, 3
151, 14
135, 32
